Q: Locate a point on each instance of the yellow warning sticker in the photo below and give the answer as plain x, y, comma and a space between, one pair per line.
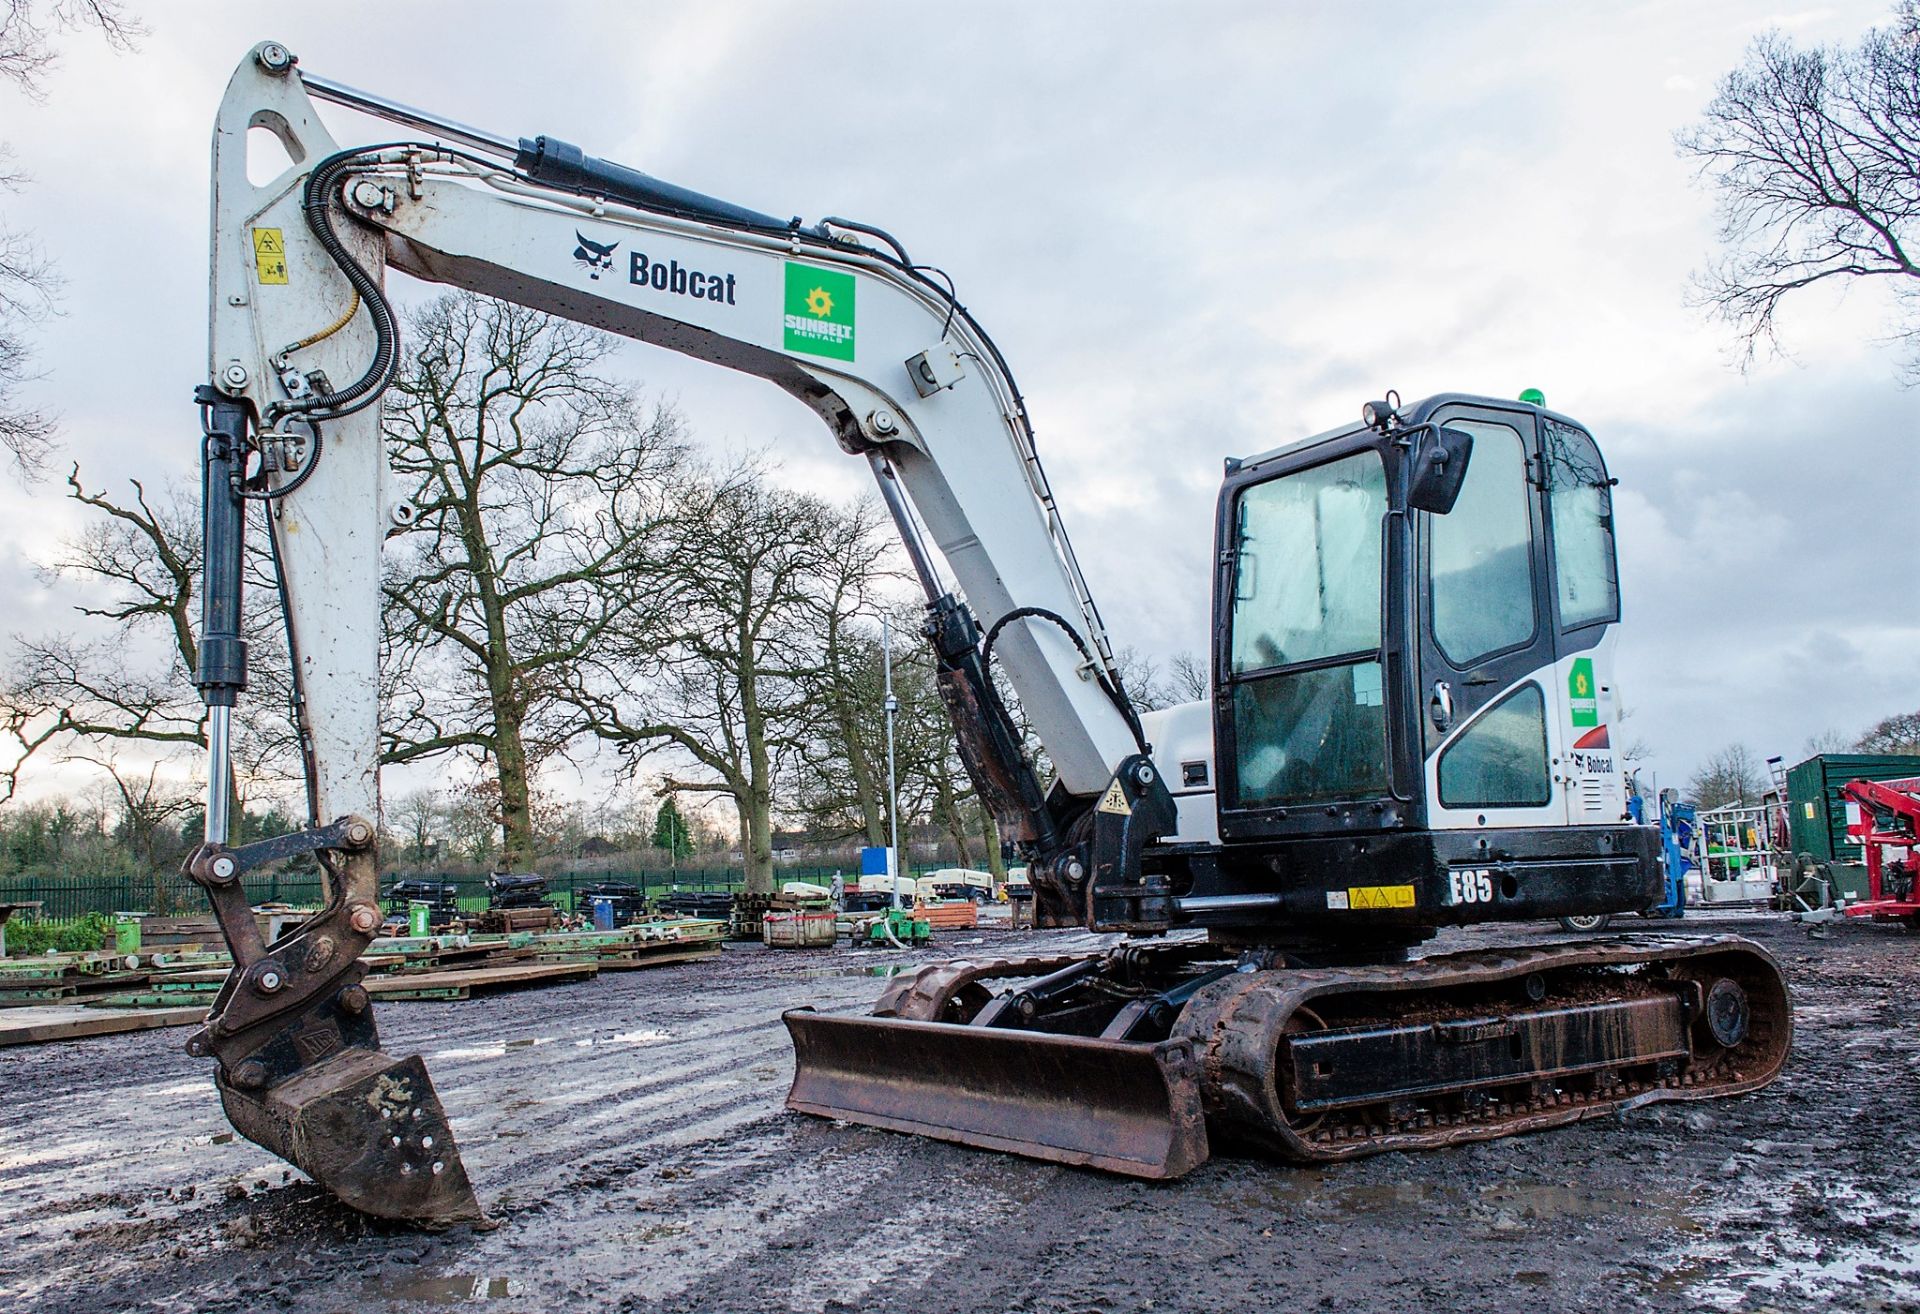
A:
1115, 801
269, 255
1380, 896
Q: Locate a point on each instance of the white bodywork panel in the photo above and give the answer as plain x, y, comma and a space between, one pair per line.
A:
1589, 782
962, 452
1182, 739
330, 531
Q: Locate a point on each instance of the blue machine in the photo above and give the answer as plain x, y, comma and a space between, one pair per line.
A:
1676, 856
1676, 848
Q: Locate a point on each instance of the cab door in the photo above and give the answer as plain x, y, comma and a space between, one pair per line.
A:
1493, 716
1586, 604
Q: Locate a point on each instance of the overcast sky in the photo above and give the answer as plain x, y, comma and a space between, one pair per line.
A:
1195, 230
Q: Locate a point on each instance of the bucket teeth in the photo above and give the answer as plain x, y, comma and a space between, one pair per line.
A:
368, 1128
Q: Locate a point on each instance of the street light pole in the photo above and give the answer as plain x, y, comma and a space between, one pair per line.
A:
892, 705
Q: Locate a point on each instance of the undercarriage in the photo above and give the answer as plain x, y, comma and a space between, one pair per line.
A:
1141, 1059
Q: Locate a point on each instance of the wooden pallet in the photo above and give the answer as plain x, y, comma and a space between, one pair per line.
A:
38, 1026
645, 958
954, 915
505, 921
463, 983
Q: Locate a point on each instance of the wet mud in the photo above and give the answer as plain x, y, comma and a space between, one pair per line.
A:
627, 1138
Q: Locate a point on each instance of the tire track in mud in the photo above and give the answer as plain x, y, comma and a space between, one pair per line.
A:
167, 1176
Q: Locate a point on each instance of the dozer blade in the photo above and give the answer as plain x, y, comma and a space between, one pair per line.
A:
1129, 1108
370, 1129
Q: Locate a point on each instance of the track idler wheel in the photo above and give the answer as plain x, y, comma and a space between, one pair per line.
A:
1726, 1014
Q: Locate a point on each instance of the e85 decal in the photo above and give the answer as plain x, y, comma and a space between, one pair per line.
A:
1469, 885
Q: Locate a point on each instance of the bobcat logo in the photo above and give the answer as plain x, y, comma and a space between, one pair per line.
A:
592, 255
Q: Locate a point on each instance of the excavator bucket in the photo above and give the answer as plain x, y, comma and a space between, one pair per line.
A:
301, 1071
369, 1129
1125, 1107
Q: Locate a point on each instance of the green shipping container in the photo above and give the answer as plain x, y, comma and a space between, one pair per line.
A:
1817, 813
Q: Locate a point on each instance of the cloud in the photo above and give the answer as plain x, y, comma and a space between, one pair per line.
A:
1195, 234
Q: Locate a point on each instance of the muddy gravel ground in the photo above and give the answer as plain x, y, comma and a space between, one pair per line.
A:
628, 1137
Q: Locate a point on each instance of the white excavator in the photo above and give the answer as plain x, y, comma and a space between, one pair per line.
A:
1408, 728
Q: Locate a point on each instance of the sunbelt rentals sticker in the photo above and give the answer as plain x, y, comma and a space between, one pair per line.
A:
1581, 700
819, 314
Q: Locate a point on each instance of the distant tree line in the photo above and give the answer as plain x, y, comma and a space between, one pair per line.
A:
1735, 773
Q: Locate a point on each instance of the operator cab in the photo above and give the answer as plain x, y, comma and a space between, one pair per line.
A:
1414, 675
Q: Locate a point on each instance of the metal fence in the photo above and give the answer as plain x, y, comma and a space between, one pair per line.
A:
172, 894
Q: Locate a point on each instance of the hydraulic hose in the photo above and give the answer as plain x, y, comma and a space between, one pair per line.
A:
317, 206
1116, 695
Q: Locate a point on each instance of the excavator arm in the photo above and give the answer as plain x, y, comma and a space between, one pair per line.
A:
303, 344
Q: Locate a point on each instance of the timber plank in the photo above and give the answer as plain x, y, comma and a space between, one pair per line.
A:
38, 1026
628, 962
474, 979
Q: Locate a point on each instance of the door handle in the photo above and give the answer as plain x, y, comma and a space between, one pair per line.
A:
1479, 678
1440, 705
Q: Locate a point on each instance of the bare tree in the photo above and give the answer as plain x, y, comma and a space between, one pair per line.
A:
1185, 679
417, 820
1815, 156
726, 674
842, 788
28, 30
1731, 775
151, 810
1899, 733
938, 786
542, 489
1190, 677
135, 566
1827, 741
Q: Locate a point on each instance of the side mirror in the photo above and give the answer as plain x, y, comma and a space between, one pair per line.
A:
1439, 469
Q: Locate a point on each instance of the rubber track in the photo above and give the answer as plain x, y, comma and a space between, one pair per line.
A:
1237, 1026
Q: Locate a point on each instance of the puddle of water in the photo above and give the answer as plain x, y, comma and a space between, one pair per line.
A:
177, 1088
490, 1051
1789, 1258
645, 1036
455, 1289
879, 969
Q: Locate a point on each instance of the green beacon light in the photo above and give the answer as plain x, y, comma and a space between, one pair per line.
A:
1534, 397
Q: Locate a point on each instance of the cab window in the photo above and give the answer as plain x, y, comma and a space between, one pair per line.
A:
1309, 719
1307, 565
1500, 761
1580, 503
1481, 554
